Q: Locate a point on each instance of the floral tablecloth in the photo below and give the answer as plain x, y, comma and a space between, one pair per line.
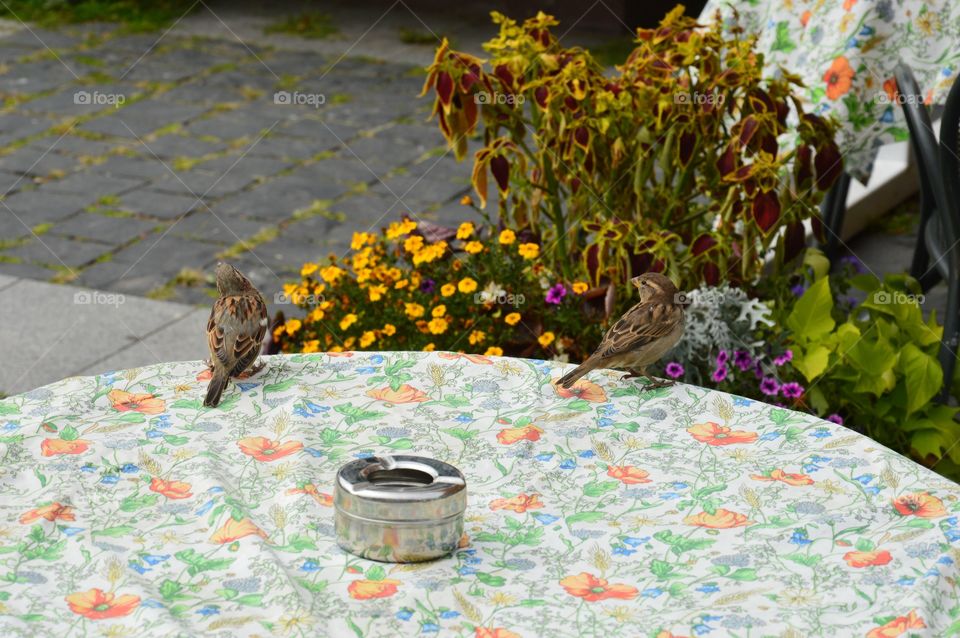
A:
845, 52
127, 509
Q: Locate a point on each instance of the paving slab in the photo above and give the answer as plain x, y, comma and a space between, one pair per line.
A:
52, 331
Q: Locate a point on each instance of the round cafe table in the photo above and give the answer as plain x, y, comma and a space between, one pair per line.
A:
128, 509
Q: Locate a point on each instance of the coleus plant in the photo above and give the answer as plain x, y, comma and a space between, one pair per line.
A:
685, 159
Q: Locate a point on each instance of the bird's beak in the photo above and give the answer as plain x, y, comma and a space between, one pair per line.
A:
636, 282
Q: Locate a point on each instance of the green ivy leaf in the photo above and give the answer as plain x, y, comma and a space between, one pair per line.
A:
491, 579
813, 362
69, 433
924, 376
599, 488
281, 386
744, 574
376, 573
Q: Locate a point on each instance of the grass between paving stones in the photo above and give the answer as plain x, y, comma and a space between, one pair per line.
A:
134, 15
313, 25
417, 36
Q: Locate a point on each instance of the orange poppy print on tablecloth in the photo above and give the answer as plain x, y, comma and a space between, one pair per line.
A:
367, 589
173, 490
263, 449
839, 78
720, 519
519, 503
51, 512
96, 604
919, 504
591, 589
142, 403
715, 434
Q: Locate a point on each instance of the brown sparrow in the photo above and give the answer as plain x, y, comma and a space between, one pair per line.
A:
644, 334
235, 330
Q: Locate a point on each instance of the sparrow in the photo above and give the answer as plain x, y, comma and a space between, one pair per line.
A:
644, 334
235, 330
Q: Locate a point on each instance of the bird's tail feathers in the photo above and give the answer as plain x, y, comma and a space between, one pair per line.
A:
570, 378
215, 390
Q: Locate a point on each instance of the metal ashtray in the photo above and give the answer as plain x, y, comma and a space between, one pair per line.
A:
399, 509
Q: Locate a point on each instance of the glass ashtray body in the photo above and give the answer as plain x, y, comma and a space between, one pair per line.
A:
399, 509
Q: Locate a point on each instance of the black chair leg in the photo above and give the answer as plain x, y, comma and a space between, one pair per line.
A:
921, 257
951, 336
837, 202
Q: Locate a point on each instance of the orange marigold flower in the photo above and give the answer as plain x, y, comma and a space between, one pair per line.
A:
404, 394
494, 351
839, 78
53, 447
580, 287
507, 237
715, 434
51, 512
509, 436
389, 329
628, 474
438, 326
367, 589
919, 504
582, 389
779, 475
234, 530
512, 319
529, 251
439, 311
898, 626
430, 347
473, 247
143, 403
96, 604
448, 290
263, 449
592, 589
466, 200
546, 339
171, 489
721, 519
519, 503
308, 269
467, 285
291, 326
867, 559
413, 310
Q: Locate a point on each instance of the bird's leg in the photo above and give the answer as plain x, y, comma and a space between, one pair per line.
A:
631, 373
657, 383
260, 365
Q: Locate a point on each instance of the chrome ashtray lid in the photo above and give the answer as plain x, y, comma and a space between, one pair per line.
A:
399, 508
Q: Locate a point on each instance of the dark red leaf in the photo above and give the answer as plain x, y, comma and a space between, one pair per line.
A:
802, 171
570, 103
794, 240
687, 142
726, 163
816, 225
541, 95
711, 274
581, 136
829, 165
702, 244
769, 144
504, 74
444, 87
766, 210
747, 128
467, 80
500, 168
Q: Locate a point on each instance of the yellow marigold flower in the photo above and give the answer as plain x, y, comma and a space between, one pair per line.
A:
512, 319
330, 274
447, 289
429, 347
348, 343
546, 339
399, 229
389, 329
292, 326
438, 325
311, 346
358, 241
465, 230
466, 201
361, 260
477, 336
467, 285
394, 273
414, 310
439, 311
308, 269
364, 275
279, 330
367, 338
494, 351
400, 285
348, 321
316, 315
473, 247
319, 288
413, 243
336, 349
529, 251
507, 237
580, 287
376, 292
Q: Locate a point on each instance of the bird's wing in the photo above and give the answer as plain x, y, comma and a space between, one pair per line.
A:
642, 324
236, 329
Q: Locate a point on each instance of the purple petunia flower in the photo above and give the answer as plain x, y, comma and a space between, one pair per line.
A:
674, 370
853, 261
742, 359
836, 418
798, 290
769, 386
758, 370
792, 390
722, 357
782, 359
427, 285
719, 374
556, 294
